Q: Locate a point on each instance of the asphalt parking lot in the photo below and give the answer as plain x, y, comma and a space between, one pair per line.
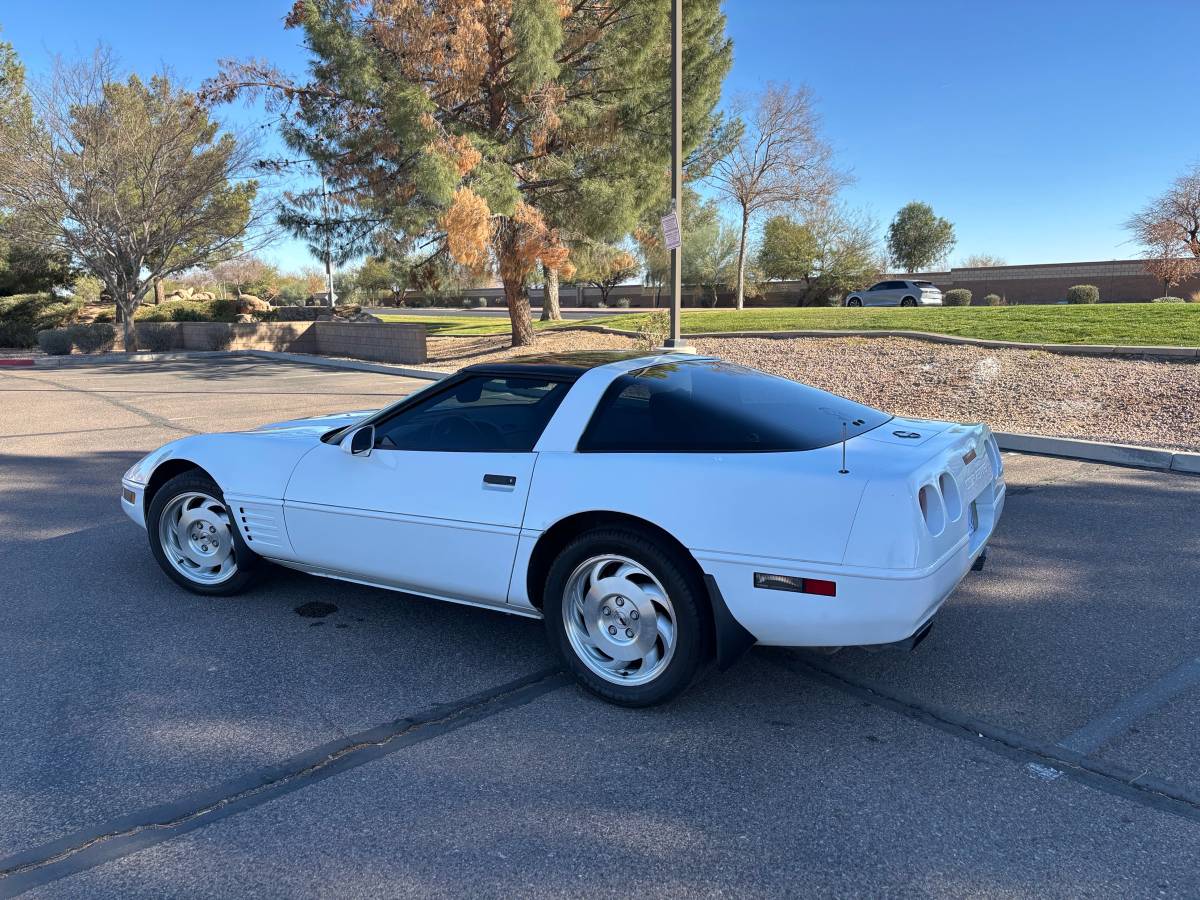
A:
155, 744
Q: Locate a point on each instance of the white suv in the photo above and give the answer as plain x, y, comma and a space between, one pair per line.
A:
897, 293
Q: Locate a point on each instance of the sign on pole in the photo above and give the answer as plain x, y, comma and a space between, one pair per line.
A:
670, 227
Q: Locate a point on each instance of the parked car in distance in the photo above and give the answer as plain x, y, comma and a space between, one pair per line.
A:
657, 511
897, 293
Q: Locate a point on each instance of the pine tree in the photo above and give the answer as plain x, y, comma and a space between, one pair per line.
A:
487, 133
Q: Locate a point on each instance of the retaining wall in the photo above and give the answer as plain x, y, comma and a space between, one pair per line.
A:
402, 344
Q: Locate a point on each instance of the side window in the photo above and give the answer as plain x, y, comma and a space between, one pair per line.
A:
481, 414
882, 286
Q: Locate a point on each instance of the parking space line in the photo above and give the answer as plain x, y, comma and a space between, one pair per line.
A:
1092, 736
128, 834
1137, 787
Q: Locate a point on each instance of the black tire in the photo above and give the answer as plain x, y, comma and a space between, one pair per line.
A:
908, 301
249, 565
677, 576
854, 301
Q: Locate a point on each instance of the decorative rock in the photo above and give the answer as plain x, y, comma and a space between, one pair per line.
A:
297, 313
248, 303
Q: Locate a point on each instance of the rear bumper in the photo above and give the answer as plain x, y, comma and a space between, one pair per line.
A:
872, 606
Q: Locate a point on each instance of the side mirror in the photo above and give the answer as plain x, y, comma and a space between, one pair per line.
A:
360, 442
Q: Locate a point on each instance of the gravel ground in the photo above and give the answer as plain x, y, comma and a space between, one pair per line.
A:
1148, 402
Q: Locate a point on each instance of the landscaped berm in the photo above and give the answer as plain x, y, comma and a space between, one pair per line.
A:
1108, 324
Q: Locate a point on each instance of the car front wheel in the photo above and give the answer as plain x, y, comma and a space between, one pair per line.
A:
194, 539
627, 614
854, 301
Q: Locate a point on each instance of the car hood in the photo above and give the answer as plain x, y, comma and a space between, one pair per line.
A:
258, 461
315, 424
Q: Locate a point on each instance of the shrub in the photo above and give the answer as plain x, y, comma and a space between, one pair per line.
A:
55, 341
157, 338
624, 303
17, 334
1194, 297
94, 337
223, 310
22, 316
87, 288
1083, 293
994, 300
1168, 300
173, 311
957, 297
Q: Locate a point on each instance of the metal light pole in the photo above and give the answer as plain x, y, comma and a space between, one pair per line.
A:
675, 341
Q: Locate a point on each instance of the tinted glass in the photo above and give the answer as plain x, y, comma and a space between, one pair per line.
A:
882, 286
923, 283
480, 414
715, 407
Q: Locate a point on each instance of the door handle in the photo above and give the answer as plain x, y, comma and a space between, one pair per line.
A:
499, 481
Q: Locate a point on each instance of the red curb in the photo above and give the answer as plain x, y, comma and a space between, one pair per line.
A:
14, 363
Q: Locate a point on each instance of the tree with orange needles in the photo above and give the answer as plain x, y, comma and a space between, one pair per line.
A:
474, 132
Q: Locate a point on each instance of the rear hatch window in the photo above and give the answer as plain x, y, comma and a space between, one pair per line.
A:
708, 406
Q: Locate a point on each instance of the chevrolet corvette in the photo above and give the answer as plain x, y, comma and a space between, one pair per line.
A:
659, 512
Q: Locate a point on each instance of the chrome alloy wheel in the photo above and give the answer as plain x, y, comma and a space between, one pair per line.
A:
196, 538
619, 620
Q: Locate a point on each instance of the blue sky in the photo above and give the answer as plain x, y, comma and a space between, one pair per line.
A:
1036, 127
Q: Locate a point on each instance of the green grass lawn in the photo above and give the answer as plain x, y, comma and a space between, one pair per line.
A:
1159, 324
467, 326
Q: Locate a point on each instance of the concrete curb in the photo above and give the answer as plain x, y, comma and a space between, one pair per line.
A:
55, 362
1184, 353
354, 365
1098, 451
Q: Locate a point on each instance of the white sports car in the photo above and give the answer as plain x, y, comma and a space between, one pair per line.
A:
657, 511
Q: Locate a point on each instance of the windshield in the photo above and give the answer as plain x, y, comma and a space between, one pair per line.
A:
707, 406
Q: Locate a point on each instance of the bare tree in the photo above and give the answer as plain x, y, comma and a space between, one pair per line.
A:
131, 179
982, 261
1168, 228
781, 161
1174, 215
1166, 255
242, 271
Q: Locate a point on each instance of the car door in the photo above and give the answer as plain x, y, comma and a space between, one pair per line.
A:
887, 295
877, 295
436, 507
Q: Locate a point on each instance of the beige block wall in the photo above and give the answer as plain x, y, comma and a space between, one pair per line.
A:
396, 343
403, 344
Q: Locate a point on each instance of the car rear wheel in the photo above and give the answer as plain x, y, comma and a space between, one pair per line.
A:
627, 614
908, 301
195, 541
854, 301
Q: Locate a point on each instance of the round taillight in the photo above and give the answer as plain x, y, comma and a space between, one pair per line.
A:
951, 496
932, 510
